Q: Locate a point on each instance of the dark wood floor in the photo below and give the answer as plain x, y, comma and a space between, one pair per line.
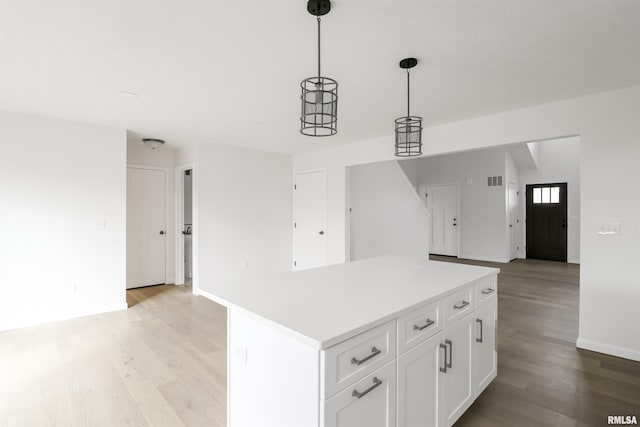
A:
543, 380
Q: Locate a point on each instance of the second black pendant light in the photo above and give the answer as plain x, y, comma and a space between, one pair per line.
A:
408, 128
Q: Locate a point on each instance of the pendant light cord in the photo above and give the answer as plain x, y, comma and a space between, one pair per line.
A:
319, 50
408, 92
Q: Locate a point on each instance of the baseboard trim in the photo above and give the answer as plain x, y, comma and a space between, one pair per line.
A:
573, 261
481, 258
210, 296
613, 350
66, 316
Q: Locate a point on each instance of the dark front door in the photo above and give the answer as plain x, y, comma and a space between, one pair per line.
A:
547, 221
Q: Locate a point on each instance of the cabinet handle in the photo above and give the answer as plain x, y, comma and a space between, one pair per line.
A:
481, 333
360, 395
374, 353
450, 344
463, 305
444, 365
487, 291
419, 328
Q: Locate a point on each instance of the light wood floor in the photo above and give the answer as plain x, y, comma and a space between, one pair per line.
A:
163, 362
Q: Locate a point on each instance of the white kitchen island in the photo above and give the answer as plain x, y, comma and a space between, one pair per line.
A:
380, 342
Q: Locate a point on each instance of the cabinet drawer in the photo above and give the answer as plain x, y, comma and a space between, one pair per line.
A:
369, 402
486, 289
351, 360
458, 304
418, 325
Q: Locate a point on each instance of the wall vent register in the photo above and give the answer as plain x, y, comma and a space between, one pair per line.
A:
494, 181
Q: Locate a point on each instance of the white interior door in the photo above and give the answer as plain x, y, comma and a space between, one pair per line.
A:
146, 227
442, 204
514, 221
310, 220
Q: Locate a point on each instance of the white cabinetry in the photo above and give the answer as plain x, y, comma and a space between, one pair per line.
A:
419, 385
485, 355
370, 402
457, 370
415, 351
440, 377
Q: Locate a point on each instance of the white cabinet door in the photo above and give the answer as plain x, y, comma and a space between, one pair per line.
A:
370, 402
458, 379
484, 344
419, 384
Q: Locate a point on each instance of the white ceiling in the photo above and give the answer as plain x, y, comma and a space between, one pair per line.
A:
229, 71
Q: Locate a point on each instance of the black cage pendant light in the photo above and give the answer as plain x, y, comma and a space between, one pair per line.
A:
319, 97
408, 128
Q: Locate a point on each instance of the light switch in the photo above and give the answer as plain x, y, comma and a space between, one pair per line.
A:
610, 229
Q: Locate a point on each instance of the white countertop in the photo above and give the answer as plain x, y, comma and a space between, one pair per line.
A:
324, 306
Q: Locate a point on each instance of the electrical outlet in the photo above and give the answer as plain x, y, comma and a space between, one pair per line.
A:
240, 354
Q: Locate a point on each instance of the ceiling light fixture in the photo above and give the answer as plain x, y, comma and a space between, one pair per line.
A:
153, 143
319, 94
408, 128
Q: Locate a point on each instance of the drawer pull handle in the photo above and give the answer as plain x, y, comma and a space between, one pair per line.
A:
461, 306
419, 328
360, 395
481, 332
450, 362
444, 364
374, 353
487, 291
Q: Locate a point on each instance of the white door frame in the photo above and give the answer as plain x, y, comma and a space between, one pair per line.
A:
167, 211
453, 184
179, 252
515, 229
326, 213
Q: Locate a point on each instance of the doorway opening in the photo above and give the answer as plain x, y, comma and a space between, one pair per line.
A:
186, 226
547, 221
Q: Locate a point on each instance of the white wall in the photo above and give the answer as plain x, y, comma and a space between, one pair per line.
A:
482, 221
387, 218
410, 169
139, 154
559, 161
609, 130
244, 214
63, 220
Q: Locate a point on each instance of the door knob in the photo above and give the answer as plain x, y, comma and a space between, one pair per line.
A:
161, 232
